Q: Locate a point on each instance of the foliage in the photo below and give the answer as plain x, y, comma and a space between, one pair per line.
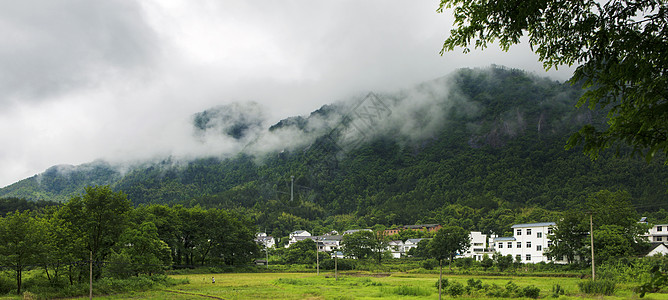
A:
599, 287
364, 244
503, 262
447, 242
619, 46
658, 280
302, 252
615, 235
23, 236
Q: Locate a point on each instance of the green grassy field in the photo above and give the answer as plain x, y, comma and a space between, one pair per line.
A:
351, 286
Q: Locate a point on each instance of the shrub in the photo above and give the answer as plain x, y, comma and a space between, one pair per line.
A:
429, 264
455, 289
444, 283
530, 292
599, 287
341, 264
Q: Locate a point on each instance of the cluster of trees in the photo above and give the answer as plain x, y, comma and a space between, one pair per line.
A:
616, 230
102, 225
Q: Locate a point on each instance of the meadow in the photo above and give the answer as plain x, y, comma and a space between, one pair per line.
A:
361, 285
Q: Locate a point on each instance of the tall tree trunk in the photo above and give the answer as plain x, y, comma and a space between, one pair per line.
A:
18, 279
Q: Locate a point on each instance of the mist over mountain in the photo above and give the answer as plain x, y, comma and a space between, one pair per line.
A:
474, 142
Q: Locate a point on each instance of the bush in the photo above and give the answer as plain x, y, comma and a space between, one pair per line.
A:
444, 283
599, 287
455, 289
342, 264
429, 264
530, 292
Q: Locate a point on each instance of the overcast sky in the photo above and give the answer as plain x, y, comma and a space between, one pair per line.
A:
120, 80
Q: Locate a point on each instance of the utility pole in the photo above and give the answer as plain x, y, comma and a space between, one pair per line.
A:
591, 235
317, 258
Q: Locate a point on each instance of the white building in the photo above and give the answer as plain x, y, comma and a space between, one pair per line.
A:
480, 245
528, 243
396, 248
410, 244
297, 236
658, 234
265, 240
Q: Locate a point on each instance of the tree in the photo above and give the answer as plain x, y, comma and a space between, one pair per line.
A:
570, 237
100, 217
142, 248
486, 262
24, 238
620, 47
302, 252
446, 243
359, 244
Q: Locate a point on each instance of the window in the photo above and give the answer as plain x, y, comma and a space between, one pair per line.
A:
549, 230
518, 257
519, 232
658, 239
528, 257
539, 235
528, 231
519, 245
539, 248
658, 228
510, 245
500, 245
528, 244
549, 244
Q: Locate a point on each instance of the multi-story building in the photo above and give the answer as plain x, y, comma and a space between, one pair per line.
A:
479, 246
528, 243
658, 234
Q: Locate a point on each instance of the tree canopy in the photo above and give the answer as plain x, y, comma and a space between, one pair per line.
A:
619, 46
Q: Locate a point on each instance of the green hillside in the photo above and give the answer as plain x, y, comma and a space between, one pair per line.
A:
480, 148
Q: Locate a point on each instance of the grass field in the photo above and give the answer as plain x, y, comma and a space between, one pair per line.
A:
350, 286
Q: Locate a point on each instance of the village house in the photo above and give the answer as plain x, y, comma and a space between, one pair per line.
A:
479, 246
658, 234
396, 248
410, 244
528, 243
296, 236
263, 239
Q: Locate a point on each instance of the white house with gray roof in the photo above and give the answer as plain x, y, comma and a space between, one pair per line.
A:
528, 243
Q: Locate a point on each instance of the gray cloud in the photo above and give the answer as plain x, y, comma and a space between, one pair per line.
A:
53, 47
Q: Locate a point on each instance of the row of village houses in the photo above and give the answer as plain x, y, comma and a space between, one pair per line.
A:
528, 243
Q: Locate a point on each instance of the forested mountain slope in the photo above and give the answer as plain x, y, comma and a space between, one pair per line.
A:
466, 147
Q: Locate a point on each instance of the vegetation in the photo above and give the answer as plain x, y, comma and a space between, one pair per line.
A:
100, 228
619, 47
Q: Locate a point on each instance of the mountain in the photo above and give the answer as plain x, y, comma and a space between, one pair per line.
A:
469, 146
